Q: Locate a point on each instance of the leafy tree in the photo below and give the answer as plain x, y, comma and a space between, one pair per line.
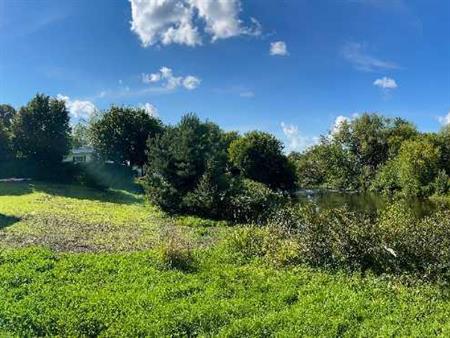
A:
121, 134
187, 164
417, 166
365, 137
328, 165
80, 136
399, 131
41, 130
259, 156
7, 113
4, 143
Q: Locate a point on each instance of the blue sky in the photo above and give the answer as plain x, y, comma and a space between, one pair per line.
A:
290, 67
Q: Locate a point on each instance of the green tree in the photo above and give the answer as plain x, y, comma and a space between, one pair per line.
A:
259, 156
80, 135
418, 166
41, 131
5, 150
7, 113
121, 133
366, 138
397, 132
187, 164
328, 165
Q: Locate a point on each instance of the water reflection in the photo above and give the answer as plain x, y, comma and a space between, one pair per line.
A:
368, 203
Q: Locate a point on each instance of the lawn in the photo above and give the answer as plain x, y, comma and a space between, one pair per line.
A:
78, 262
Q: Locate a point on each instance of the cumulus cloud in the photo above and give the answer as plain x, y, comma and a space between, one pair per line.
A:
169, 81
356, 54
150, 109
385, 83
338, 123
78, 109
445, 120
296, 141
278, 48
184, 21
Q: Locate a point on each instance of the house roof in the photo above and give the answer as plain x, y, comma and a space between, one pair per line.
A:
82, 150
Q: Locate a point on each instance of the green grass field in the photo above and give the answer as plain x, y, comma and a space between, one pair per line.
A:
78, 262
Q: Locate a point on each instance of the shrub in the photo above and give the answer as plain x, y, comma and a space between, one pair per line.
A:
420, 246
397, 242
268, 243
251, 202
441, 183
175, 251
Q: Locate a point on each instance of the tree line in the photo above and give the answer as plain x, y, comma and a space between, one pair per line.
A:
196, 167
375, 153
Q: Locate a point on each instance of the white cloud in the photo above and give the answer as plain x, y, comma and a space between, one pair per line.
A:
296, 141
78, 109
338, 123
183, 21
356, 54
445, 120
191, 82
169, 81
385, 83
150, 109
278, 48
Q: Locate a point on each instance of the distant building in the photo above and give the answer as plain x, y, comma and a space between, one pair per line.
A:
80, 155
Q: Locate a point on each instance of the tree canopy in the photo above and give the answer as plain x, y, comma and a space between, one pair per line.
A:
121, 133
259, 156
41, 131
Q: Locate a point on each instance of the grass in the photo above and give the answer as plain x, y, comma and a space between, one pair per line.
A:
77, 262
73, 218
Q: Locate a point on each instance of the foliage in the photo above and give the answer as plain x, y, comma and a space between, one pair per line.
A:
251, 202
40, 130
175, 252
5, 147
178, 161
259, 156
327, 165
121, 133
371, 151
7, 114
397, 242
80, 136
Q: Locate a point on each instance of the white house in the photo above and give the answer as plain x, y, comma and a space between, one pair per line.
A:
80, 155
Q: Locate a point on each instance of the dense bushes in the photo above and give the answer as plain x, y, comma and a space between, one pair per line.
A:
189, 172
396, 242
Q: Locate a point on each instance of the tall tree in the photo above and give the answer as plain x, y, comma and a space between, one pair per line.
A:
41, 130
4, 143
184, 158
121, 133
259, 156
7, 113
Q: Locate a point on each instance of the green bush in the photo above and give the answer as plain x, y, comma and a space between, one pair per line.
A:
441, 183
175, 252
418, 246
396, 242
251, 202
270, 243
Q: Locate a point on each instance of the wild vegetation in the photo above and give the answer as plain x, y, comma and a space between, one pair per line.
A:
76, 261
211, 240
